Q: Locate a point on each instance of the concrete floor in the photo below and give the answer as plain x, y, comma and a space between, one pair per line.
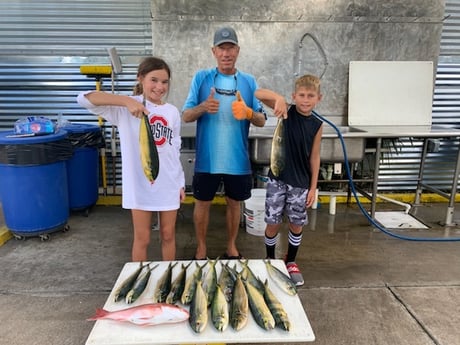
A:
362, 286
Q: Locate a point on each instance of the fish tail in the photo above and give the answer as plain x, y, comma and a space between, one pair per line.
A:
100, 313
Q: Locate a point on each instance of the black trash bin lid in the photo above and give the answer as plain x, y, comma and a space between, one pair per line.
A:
34, 150
81, 128
85, 135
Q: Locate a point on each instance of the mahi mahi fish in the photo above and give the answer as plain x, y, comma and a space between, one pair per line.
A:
198, 309
277, 156
139, 285
164, 285
177, 286
281, 279
248, 275
219, 310
127, 284
226, 281
145, 314
239, 308
149, 153
191, 283
259, 309
276, 308
210, 281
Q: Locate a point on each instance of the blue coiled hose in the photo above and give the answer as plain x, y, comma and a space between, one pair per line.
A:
363, 210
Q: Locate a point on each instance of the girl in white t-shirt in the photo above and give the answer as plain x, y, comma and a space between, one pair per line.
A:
138, 194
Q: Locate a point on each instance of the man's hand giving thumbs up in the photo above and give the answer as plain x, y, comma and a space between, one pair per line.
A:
211, 104
240, 110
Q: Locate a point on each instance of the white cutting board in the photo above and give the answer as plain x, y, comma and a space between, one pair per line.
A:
390, 93
108, 332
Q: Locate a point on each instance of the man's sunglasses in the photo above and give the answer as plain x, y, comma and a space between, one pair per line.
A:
226, 92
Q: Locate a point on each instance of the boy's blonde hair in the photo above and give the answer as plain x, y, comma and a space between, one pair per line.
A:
308, 81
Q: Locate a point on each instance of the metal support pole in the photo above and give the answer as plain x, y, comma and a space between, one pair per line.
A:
418, 191
453, 192
375, 184
451, 196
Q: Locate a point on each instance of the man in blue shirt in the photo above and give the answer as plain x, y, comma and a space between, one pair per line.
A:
222, 101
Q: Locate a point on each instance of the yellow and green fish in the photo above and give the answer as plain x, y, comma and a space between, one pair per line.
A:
277, 156
149, 153
198, 309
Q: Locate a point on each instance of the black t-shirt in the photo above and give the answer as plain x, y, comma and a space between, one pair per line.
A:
299, 135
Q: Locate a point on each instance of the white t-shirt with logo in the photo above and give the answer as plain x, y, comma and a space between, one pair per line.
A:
165, 121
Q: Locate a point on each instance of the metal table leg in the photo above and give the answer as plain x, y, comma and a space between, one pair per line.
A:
451, 196
375, 184
418, 191
453, 192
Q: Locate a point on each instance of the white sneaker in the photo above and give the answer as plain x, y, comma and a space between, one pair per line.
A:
294, 273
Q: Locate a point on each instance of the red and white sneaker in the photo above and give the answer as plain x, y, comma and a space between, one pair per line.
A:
294, 273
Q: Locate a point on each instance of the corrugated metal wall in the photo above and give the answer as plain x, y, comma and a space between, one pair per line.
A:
403, 162
44, 43
75, 27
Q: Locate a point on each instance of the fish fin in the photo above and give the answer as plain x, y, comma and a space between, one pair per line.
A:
100, 313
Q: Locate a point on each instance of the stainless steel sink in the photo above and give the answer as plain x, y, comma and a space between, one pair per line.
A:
331, 148
327, 129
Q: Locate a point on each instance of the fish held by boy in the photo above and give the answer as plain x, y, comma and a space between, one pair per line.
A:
149, 314
277, 155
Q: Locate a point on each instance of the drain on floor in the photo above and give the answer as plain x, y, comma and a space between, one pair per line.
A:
398, 220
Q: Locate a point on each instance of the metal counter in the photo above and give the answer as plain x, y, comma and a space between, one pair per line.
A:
379, 133
421, 132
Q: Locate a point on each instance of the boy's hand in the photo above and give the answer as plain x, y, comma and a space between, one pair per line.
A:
310, 198
240, 110
280, 109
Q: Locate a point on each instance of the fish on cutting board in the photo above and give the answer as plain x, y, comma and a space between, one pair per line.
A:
144, 314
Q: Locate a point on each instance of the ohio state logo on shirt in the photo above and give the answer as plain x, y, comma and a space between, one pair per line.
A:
161, 132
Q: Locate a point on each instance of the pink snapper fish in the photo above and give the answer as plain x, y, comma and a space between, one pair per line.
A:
145, 314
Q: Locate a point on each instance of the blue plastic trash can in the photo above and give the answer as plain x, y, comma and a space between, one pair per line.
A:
83, 167
33, 183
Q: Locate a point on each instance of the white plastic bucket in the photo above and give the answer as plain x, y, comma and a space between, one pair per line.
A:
254, 212
258, 193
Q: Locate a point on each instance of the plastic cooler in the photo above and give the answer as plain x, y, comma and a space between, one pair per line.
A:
33, 184
83, 167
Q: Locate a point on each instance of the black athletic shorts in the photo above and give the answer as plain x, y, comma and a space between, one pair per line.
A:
236, 187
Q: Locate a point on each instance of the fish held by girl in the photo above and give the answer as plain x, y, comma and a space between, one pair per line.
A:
149, 153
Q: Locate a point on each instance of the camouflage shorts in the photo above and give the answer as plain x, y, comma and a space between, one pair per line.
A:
282, 197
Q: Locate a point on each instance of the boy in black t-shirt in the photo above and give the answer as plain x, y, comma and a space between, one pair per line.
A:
294, 167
